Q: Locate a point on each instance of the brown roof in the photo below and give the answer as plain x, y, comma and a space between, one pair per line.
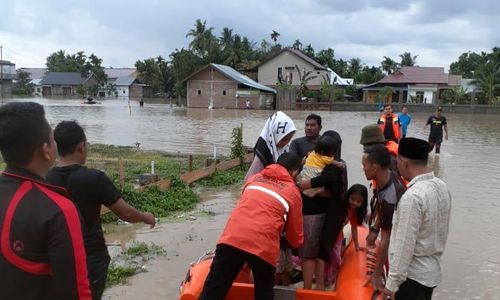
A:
416, 75
301, 55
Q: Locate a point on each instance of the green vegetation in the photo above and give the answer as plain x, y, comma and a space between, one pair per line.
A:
229, 177
143, 249
237, 147
22, 85
119, 274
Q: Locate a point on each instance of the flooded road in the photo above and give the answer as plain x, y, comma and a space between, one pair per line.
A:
469, 164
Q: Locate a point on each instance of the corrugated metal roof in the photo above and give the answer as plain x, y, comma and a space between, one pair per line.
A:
124, 81
243, 79
119, 72
63, 78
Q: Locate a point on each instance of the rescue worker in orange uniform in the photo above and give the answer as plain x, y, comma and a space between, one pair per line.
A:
269, 206
389, 124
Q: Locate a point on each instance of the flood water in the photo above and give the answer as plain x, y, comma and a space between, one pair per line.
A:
469, 164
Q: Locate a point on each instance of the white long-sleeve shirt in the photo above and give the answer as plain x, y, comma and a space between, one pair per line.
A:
419, 232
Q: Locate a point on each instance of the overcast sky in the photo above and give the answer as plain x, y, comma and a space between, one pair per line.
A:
121, 32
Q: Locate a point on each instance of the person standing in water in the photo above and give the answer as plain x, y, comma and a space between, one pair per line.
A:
437, 123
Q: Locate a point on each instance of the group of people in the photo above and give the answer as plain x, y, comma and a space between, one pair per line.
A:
395, 126
52, 242
295, 204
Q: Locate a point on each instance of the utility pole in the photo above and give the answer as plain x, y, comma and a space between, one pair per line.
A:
1, 73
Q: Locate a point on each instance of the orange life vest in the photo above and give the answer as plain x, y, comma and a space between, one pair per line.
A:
395, 125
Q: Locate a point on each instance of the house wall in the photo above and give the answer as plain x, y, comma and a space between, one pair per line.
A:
205, 83
123, 91
138, 91
60, 90
429, 92
268, 72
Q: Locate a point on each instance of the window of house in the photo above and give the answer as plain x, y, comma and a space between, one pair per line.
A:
224, 92
280, 74
317, 73
124, 91
199, 92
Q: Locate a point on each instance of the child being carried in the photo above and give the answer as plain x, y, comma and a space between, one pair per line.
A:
316, 161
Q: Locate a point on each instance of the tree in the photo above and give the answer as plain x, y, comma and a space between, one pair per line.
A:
304, 78
487, 79
297, 45
407, 60
226, 39
203, 42
184, 63
22, 85
389, 65
274, 36
355, 66
309, 51
326, 58
385, 93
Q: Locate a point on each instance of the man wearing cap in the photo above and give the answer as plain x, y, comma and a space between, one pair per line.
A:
437, 123
371, 135
420, 227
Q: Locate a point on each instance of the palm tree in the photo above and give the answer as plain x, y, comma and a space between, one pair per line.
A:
297, 45
235, 52
226, 39
201, 38
274, 36
407, 59
355, 66
389, 65
487, 79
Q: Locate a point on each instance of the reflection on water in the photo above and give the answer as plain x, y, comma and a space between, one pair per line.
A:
469, 164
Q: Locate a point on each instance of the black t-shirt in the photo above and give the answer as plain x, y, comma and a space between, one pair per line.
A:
302, 146
88, 189
437, 124
386, 201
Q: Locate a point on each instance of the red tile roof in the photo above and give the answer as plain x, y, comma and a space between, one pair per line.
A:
415, 75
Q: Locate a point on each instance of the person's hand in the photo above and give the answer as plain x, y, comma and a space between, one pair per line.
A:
370, 239
149, 218
376, 281
360, 248
303, 184
446, 137
386, 294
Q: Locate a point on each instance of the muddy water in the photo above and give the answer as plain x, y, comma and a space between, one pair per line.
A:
469, 163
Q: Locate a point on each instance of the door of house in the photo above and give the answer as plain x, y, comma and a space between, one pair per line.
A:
66, 90
420, 97
47, 91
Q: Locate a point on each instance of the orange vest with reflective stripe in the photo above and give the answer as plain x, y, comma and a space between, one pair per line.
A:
395, 125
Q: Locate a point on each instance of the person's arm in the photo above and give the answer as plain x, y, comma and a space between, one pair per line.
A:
354, 233
326, 177
429, 120
130, 214
66, 252
294, 225
403, 240
255, 168
445, 131
338, 164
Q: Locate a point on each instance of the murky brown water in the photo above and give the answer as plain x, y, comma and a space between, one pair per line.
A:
469, 163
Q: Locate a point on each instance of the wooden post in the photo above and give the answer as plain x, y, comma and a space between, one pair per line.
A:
121, 172
190, 158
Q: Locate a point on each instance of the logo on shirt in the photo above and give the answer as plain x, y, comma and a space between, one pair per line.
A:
18, 246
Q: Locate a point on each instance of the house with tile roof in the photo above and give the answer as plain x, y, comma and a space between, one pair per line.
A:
220, 86
413, 85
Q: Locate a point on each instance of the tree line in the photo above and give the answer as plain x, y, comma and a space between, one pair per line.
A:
167, 75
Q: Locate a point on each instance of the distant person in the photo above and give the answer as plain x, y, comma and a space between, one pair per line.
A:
248, 105
404, 119
141, 103
317, 160
273, 141
269, 205
42, 255
389, 124
420, 227
437, 123
376, 162
303, 145
89, 189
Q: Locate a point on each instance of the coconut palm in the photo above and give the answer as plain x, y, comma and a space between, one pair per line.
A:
274, 36
407, 59
389, 65
297, 45
226, 39
202, 38
355, 66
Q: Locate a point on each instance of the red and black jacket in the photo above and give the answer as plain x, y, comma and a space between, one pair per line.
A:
42, 255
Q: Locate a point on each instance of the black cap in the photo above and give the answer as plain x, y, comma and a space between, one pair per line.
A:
413, 148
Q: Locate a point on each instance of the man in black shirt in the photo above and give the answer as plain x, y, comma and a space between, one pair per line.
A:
437, 123
89, 189
303, 145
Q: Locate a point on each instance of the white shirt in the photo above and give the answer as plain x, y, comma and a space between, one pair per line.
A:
419, 232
